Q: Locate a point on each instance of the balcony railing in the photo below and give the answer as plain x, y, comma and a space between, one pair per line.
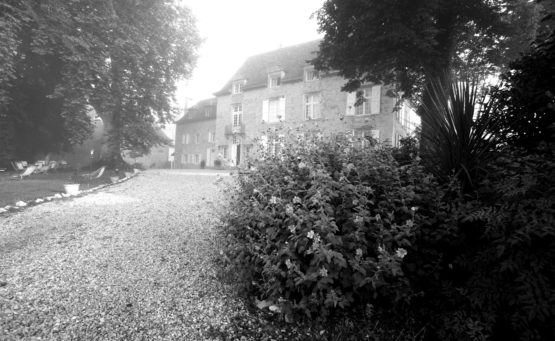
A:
231, 129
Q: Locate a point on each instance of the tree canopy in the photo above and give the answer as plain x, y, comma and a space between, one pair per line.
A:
122, 58
406, 42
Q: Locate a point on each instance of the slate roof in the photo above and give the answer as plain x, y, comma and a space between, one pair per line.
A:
198, 111
291, 60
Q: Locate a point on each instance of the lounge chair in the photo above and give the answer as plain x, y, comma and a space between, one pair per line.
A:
18, 166
27, 172
96, 174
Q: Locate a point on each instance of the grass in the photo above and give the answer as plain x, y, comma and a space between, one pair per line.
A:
39, 186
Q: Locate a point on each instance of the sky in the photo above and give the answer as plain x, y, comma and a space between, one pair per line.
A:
235, 30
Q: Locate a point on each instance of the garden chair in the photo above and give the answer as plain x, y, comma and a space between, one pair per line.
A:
96, 174
27, 172
18, 166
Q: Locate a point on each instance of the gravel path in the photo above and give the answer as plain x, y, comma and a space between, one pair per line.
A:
130, 262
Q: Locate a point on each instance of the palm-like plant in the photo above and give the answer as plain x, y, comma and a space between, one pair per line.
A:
459, 124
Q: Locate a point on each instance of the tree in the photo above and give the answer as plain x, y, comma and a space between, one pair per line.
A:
407, 42
527, 97
122, 57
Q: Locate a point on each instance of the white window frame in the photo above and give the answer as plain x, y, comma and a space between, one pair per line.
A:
187, 140
197, 138
310, 75
273, 109
236, 114
237, 87
312, 109
274, 79
211, 136
370, 105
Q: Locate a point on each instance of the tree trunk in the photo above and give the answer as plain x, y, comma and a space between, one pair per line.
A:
112, 141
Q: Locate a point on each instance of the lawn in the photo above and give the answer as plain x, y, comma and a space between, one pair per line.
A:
39, 186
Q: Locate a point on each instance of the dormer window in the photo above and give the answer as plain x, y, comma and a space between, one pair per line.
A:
311, 75
237, 86
274, 79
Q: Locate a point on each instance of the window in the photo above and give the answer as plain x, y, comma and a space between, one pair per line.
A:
312, 106
224, 152
311, 75
184, 158
197, 138
183, 139
206, 112
211, 136
272, 145
237, 86
236, 114
274, 79
370, 105
186, 138
197, 159
375, 134
396, 140
273, 109
362, 137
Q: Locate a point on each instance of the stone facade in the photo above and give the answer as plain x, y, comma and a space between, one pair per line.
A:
377, 116
194, 136
281, 90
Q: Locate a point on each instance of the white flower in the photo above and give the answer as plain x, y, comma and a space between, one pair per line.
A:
310, 234
414, 208
302, 165
380, 248
289, 209
359, 220
323, 272
359, 253
409, 223
297, 200
291, 228
401, 253
378, 217
273, 200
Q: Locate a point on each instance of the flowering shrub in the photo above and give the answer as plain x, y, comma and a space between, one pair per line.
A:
323, 225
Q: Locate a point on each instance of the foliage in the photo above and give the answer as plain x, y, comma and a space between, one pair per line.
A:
459, 137
485, 267
322, 226
527, 98
121, 57
408, 150
406, 42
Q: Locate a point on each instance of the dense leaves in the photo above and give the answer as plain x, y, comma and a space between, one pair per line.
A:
323, 226
121, 58
528, 98
405, 42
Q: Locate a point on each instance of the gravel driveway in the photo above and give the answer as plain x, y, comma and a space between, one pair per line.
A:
130, 262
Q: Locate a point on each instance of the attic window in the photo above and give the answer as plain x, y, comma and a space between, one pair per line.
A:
311, 75
237, 86
274, 79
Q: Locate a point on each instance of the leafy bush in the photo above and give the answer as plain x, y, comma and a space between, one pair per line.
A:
323, 226
528, 98
485, 267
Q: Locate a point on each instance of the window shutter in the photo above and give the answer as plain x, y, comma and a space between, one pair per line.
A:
265, 110
376, 97
282, 108
351, 99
